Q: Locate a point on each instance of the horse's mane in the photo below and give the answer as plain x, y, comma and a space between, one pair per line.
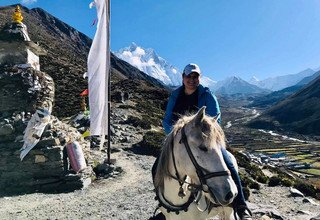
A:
215, 132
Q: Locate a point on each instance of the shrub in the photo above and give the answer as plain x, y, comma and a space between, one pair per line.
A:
152, 142
274, 181
287, 182
245, 180
254, 185
262, 179
135, 121
307, 189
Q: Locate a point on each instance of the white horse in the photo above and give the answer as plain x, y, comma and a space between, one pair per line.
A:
192, 180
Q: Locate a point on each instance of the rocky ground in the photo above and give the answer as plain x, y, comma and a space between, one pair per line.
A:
129, 195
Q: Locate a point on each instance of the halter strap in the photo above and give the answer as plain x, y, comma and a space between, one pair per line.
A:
202, 177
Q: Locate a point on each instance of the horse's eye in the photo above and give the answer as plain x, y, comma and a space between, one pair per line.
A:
203, 148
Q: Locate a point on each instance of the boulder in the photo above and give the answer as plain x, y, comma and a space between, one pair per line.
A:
295, 193
6, 129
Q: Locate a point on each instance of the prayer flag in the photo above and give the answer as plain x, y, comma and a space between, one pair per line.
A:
98, 71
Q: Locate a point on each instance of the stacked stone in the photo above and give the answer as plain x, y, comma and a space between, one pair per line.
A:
24, 90
46, 167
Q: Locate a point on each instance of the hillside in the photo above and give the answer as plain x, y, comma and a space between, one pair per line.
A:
274, 97
299, 112
308, 79
66, 60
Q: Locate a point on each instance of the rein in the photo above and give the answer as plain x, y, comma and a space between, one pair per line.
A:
200, 170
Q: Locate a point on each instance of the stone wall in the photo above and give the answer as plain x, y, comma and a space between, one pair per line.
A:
46, 167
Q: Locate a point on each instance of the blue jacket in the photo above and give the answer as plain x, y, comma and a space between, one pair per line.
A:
205, 98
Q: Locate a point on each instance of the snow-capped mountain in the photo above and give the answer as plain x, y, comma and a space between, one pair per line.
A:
148, 61
207, 82
281, 82
235, 85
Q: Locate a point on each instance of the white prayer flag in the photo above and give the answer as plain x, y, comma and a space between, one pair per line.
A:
98, 71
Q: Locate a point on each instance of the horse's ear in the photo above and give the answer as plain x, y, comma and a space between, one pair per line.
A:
199, 116
215, 118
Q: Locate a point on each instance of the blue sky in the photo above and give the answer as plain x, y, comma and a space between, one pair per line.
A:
249, 37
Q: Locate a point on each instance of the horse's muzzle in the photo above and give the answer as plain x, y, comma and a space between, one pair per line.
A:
223, 200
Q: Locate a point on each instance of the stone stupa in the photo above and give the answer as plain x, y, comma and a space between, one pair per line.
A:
16, 48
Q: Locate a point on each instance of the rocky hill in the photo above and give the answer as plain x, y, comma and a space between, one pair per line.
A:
274, 97
299, 112
66, 60
308, 79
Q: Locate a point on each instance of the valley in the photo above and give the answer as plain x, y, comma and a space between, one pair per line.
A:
296, 154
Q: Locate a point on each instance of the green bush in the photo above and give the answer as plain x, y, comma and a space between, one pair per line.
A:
306, 189
152, 142
262, 179
287, 182
245, 180
137, 122
254, 185
274, 181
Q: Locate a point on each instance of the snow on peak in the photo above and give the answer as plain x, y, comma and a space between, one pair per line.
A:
254, 80
281, 82
148, 61
207, 82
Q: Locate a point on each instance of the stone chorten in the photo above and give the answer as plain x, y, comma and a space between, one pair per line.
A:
16, 46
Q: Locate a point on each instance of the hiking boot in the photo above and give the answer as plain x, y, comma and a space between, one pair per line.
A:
244, 214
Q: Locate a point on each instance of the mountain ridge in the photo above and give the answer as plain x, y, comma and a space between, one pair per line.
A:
236, 85
281, 82
299, 112
66, 60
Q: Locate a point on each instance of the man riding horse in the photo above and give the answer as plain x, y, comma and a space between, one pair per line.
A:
189, 98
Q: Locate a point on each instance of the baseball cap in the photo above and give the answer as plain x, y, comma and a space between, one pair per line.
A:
191, 68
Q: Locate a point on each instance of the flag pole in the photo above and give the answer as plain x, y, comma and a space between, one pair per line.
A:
109, 89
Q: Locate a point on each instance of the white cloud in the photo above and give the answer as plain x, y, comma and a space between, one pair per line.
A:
28, 2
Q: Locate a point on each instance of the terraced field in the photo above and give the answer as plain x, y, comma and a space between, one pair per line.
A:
296, 149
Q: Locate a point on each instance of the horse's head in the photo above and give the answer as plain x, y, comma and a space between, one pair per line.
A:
197, 142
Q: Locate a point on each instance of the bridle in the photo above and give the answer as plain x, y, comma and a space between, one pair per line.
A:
202, 173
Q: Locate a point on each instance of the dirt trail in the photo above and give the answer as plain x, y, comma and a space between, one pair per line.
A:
130, 196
